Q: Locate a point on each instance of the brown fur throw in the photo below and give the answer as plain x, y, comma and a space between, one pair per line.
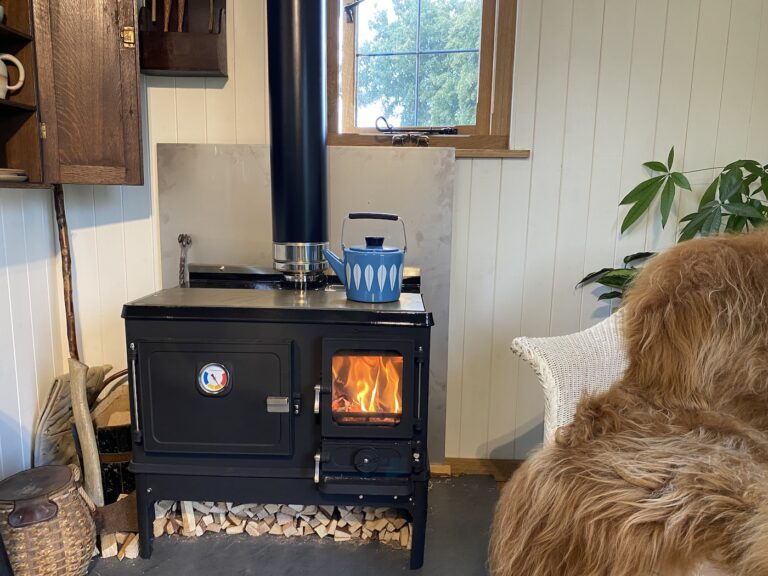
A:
669, 467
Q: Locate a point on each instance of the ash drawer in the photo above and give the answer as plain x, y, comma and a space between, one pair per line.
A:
205, 397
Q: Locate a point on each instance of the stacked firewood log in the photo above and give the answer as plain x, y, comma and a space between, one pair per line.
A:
341, 523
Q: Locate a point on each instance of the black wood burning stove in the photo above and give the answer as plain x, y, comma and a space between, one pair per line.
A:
257, 387
279, 396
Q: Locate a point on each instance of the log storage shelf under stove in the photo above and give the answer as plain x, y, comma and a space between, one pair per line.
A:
300, 397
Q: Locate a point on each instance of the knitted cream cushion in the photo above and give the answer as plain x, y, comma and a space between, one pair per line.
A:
569, 366
587, 362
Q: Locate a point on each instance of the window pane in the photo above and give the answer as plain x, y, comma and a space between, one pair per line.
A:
386, 26
448, 89
386, 86
451, 24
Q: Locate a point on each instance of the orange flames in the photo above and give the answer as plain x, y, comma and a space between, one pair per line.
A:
367, 389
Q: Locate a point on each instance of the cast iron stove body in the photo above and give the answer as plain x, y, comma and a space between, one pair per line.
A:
279, 396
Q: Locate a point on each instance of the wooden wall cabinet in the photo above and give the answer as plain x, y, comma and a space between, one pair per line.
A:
83, 121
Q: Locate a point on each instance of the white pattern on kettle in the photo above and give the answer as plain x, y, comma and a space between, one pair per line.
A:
348, 280
392, 277
357, 276
369, 277
382, 277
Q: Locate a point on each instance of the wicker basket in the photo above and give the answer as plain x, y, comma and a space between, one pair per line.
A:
46, 523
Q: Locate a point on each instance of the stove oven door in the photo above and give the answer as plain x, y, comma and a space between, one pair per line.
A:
216, 397
369, 389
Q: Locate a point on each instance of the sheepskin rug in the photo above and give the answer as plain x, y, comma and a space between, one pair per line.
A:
669, 467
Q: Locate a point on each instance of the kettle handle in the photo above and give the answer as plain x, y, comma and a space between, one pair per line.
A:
374, 216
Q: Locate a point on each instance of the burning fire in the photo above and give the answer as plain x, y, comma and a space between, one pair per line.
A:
367, 389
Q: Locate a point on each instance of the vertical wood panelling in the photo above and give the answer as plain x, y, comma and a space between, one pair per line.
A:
29, 347
706, 94
221, 102
612, 103
674, 101
546, 172
577, 164
478, 313
642, 112
758, 125
251, 71
458, 301
12, 455
643, 76
738, 81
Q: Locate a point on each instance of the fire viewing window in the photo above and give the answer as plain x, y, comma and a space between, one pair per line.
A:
421, 64
367, 388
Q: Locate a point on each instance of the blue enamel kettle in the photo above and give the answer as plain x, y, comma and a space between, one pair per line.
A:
374, 272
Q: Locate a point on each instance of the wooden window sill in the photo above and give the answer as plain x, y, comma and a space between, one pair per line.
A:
483, 153
466, 146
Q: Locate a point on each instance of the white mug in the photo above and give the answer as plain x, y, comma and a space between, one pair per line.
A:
4, 88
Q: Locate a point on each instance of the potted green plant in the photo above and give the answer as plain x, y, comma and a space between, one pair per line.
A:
736, 201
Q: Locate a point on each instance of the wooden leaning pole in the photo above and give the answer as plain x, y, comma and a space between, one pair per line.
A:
77, 370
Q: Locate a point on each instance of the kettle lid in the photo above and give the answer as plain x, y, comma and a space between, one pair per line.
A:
374, 244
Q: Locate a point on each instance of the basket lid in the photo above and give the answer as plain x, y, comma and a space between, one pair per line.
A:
35, 483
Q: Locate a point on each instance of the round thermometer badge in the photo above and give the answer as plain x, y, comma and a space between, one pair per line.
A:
213, 379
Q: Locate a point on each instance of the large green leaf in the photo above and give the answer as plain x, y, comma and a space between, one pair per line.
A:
667, 198
656, 166
697, 221
680, 180
637, 256
735, 224
611, 295
641, 206
671, 157
618, 278
709, 194
712, 224
743, 210
650, 186
730, 184
593, 276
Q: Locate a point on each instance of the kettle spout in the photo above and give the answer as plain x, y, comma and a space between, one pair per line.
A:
336, 264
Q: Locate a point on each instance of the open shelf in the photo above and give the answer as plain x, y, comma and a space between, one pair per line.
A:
9, 35
10, 107
29, 185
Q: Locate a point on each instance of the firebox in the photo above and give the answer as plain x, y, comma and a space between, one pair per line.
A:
279, 396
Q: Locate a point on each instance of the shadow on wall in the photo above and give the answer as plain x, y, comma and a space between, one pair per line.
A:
504, 445
15, 446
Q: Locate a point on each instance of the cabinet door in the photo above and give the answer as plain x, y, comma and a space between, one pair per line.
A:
88, 91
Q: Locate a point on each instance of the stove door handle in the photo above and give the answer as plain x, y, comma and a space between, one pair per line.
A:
317, 468
317, 399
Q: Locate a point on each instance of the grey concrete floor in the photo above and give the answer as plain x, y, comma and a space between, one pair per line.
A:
460, 511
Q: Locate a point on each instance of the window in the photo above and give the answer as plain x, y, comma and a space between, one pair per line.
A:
421, 63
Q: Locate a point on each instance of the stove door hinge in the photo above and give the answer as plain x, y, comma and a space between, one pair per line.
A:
133, 358
297, 403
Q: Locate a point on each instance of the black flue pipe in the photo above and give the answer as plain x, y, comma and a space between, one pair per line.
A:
297, 101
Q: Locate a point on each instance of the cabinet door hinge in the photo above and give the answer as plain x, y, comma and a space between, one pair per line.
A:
128, 36
43, 131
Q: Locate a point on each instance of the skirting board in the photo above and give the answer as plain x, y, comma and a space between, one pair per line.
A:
501, 470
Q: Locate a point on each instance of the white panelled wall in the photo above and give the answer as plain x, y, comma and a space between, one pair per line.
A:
600, 87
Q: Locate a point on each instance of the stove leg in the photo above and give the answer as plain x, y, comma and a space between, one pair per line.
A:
146, 516
419, 525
